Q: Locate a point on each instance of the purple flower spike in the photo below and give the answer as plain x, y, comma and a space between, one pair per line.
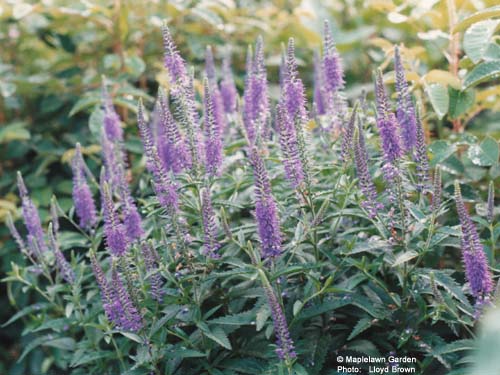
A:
171, 145
211, 245
213, 144
82, 196
102, 282
228, 91
65, 269
219, 115
476, 265
364, 178
266, 211
165, 190
294, 171
112, 125
405, 111
255, 97
132, 220
285, 347
151, 261
386, 122
293, 91
332, 64
114, 230
15, 234
128, 318
173, 61
31, 217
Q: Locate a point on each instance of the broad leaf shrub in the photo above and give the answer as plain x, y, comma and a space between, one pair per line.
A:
262, 237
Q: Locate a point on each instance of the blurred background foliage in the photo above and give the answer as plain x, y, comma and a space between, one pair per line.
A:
54, 53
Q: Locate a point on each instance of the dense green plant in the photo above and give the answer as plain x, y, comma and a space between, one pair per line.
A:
194, 267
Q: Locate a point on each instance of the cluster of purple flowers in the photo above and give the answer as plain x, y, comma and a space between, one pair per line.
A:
476, 265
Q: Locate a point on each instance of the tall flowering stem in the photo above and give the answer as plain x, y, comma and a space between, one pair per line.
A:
114, 230
173, 61
405, 110
318, 93
31, 219
128, 318
348, 135
285, 347
210, 245
213, 143
64, 267
476, 265
165, 189
170, 142
112, 124
151, 261
82, 196
255, 97
219, 113
266, 212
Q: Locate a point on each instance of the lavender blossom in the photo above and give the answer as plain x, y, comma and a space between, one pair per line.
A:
211, 245
405, 111
476, 265
151, 261
228, 91
173, 61
490, 215
82, 196
332, 64
132, 220
64, 267
386, 123
102, 282
128, 318
171, 145
112, 125
31, 217
365, 181
266, 212
285, 347
114, 230
293, 95
255, 96
289, 146
15, 234
421, 159
164, 188
213, 144
348, 135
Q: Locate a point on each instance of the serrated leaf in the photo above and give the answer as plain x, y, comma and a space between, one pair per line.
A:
65, 343
216, 334
404, 257
361, 326
438, 95
297, 306
25, 311
477, 39
240, 319
485, 71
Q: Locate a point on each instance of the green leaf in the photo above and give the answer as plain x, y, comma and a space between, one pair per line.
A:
27, 310
438, 95
66, 343
240, 319
361, 326
79, 358
297, 306
84, 103
440, 150
477, 39
485, 154
404, 257
217, 334
460, 102
485, 71
135, 66
183, 353
133, 337
483, 14
14, 132
96, 121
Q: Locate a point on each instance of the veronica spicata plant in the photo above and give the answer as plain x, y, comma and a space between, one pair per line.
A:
256, 237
